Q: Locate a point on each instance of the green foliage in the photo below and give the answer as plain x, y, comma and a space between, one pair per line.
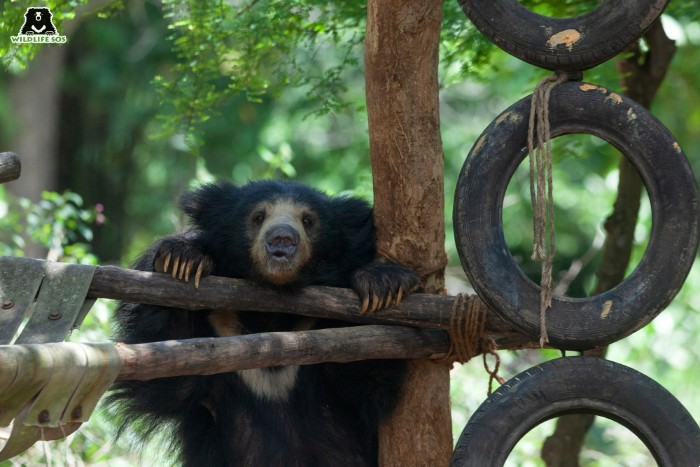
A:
685, 10
280, 161
464, 52
17, 56
561, 9
582, 163
59, 223
257, 47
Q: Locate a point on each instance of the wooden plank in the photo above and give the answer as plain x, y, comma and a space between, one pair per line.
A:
59, 303
20, 279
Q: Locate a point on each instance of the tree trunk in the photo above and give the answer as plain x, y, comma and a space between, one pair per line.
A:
34, 99
401, 59
641, 74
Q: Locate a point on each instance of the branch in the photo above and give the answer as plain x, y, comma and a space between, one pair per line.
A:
417, 310
642, 73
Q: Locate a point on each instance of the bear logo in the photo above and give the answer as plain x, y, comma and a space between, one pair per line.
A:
37, 20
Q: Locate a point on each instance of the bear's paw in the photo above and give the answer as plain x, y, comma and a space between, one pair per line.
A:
181, 257
381, 284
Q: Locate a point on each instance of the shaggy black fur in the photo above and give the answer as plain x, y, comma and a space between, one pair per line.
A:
285, 235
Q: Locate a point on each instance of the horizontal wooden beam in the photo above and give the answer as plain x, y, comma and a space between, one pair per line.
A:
205, 356
417, 310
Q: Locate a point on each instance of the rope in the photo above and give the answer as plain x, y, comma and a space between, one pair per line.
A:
493, 374
467, 326
468, 336
541, 189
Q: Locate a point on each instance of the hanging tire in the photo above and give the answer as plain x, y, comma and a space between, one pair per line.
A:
579, 385
563, 43
578, 323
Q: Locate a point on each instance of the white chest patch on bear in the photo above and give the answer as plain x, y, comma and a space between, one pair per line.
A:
274, 384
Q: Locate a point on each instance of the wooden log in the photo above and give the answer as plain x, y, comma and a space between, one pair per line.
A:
417, 310
205, 356
10, 167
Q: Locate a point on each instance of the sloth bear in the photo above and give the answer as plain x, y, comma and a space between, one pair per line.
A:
284, 235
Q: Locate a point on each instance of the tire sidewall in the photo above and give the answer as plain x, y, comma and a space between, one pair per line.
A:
579, 385
574, 323
603, 32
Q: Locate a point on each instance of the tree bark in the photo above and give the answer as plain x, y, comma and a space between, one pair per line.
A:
641, 74
401, 60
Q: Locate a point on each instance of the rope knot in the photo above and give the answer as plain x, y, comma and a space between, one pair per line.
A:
468, 336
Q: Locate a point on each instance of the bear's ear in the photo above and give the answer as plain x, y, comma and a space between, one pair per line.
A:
208, 203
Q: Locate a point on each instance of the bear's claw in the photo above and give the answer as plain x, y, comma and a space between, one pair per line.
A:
179, 257
382, 284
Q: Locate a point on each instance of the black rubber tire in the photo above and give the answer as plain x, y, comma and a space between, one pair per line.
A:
602, 33
579, 385
578, 323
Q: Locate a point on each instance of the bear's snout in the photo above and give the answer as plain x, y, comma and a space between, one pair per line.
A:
281, 242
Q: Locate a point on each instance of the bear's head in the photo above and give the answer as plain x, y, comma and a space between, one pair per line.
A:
282, 233
38, 21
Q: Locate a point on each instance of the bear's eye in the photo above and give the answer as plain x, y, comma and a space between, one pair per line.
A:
259, 217
307, 220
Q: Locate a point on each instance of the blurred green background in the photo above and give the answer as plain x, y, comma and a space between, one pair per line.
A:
150, 98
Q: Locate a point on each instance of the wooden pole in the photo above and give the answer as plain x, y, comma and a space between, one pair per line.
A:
401, 61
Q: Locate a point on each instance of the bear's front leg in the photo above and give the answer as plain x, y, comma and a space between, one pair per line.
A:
383, 283
180, 255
